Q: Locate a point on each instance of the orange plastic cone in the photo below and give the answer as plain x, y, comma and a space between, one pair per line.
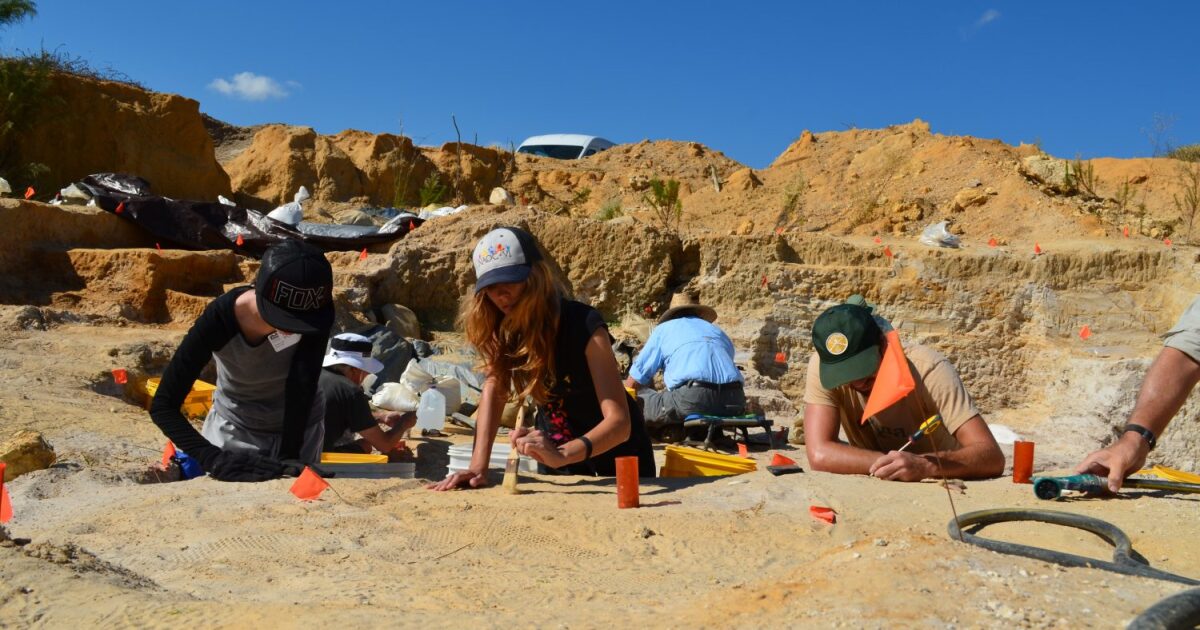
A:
1167, 242
30, 192
411, 226
992, 242
743, 451
1125, 231
887, 251
893, 381
780, 357
781, 460
822, 513
240, 241
5, 502
120, 208
168, 453
1037, 249
363, 255
120, 376
1085, 332
309, 485
158, 246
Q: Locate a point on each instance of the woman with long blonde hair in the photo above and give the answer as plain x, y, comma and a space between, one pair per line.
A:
553, 350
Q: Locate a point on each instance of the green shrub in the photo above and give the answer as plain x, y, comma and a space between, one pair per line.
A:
664, 203
610, 210
1187, 153
432, 190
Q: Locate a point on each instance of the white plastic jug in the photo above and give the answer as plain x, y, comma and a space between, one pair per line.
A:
431, 413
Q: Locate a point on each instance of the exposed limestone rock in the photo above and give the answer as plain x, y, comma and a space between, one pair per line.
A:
25, 452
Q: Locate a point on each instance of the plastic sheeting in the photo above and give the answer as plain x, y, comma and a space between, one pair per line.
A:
200, 225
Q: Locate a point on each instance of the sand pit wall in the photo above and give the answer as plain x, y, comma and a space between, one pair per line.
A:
85, 262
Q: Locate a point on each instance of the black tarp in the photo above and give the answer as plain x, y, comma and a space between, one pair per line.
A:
201, 225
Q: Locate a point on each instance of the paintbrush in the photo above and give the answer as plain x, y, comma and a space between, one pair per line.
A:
926, 428
514, 458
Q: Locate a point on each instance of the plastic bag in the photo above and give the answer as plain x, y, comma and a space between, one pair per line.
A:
4, 187
291, 213
223, 200
937, 235
395, 397
418, 380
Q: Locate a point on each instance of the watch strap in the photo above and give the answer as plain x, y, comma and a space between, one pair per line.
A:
1146, 434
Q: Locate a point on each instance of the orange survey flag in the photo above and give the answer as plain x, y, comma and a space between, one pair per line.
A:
5, 502
168, 453
782, 460
309, 485
893, 381
822, 513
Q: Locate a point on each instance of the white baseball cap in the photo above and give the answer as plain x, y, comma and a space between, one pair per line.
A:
505, 254
353, 350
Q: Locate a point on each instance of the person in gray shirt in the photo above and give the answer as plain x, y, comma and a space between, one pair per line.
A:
267, 341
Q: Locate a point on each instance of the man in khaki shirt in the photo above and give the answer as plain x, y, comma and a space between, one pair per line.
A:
1165, 388
841, 374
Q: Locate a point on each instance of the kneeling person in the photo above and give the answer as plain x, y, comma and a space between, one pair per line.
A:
696, 359
347, 410
841, 375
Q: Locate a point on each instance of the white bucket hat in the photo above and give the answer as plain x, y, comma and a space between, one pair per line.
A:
353, 350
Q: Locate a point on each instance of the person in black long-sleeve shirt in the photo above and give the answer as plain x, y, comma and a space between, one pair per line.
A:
268, 342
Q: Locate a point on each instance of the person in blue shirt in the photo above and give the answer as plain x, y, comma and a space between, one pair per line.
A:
696, 359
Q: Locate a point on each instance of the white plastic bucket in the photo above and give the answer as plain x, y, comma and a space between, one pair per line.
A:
460, 458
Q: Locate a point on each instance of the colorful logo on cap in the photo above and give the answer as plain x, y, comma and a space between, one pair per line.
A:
494, 253
836, 343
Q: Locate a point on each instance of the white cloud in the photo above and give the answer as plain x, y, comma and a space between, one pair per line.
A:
251, 87
989, 16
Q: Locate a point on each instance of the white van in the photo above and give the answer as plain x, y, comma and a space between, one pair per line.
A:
564, 146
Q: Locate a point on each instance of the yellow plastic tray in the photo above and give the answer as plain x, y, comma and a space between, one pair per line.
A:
1170, 474
691, 462
353, 458
197, 401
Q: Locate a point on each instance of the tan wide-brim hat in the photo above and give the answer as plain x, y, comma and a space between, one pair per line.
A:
685, 304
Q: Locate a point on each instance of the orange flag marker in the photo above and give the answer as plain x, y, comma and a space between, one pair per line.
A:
120, 208
764, 280
779, 230
878, 240
411, 226
887, 251
782, 460
743, 451
5, 502
822, 513
158, 246
1037, 249
30, 192
363, 255
780, 357
120, 376
168, 453
1167, 242
992, 242
1085, 332
309, 485
240, 241
893, 381
1125, 231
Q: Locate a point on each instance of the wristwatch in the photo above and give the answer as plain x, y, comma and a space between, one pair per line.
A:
1146, 434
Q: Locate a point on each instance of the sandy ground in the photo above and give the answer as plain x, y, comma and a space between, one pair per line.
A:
109, 550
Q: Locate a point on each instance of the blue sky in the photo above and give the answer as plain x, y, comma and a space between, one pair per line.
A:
1086, 78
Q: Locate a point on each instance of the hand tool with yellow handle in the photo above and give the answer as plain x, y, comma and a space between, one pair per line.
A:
929, 426
514, 458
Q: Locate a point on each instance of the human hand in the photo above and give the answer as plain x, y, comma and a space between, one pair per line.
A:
538, 445
902, 466
393, 418
1119, 460
465, 479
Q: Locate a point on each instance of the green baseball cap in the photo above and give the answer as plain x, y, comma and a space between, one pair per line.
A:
846, 338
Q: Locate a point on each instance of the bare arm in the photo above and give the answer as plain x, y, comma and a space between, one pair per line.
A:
978, 457
825, 452
614, 427
385, 441
487, 423
1167, 384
